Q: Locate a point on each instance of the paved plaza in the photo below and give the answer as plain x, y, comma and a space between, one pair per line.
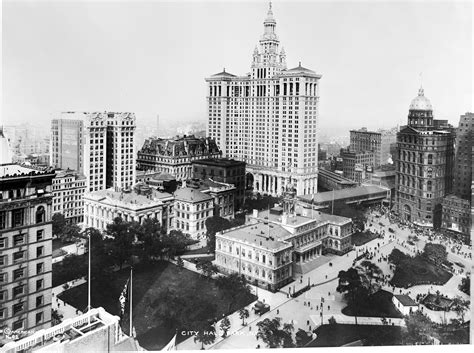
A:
321, 302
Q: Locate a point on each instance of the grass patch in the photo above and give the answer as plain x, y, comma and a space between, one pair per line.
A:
371, 335
361, 238
378, 304
148, 282
412, 271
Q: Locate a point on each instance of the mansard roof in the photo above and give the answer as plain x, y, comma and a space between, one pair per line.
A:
180, 146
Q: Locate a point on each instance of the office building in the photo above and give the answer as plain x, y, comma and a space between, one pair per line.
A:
378, 142
99, 145
174, 156
457, 216
25, 247
425, 164
68, 189
355, 164
223, 170
268, 118
463, 156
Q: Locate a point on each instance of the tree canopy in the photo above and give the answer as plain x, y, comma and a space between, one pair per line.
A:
274, 334
436, 253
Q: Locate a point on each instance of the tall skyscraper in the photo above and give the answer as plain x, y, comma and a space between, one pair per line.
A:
463, 159
99, 145
268, 118
424, 165
25, 247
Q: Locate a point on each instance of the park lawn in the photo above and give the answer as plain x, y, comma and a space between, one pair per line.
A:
417, 270
361, 238
147, 283
378, 304
371, 335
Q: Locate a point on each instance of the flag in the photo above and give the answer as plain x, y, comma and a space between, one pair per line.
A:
171, 346
123, 298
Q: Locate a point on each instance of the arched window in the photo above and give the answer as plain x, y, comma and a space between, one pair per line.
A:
429, 185
430, 159
429, 173
40, 214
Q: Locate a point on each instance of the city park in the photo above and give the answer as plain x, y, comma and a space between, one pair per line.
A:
178, 293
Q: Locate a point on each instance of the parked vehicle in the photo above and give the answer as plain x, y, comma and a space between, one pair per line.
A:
261, 308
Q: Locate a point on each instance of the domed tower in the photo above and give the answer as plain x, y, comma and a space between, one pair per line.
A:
420, 114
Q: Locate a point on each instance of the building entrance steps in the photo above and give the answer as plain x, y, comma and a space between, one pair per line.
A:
308, 266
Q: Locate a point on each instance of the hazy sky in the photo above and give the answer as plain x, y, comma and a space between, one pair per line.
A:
151, 57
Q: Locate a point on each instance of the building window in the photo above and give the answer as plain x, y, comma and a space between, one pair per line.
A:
39, 301
2, 313
17, 308
39, 268
430, 158
18, 256
39, 251
18, 325
3, 243
39, 284
39, 317
40, 235
3, 295
3, 219
18, 239
3, 260
18, 273
18, 291
17, 216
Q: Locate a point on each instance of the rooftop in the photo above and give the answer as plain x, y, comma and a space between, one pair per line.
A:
129, 199
61, 173
405, 300
327, 196
303, 217
191, 195
13, 170
267, 236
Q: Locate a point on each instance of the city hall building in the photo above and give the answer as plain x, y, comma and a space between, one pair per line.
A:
276, 245
268, 118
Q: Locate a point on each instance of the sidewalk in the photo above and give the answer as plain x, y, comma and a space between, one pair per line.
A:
64, 309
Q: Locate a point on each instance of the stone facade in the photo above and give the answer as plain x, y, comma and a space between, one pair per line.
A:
463, 158
424, 165
268, 118
25, 247
226, 171
68, 190
174, 156
457, 215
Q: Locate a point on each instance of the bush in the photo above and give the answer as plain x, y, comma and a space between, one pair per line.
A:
332, 320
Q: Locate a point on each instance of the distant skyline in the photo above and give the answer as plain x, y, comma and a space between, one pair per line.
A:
151, 57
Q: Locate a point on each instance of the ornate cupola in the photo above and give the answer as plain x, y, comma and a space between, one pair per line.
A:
420, 114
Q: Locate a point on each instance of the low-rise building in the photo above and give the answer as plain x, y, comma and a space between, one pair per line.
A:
193, 208
102, 207
223, 170
69, 188
355, 164
174, 156
404, 304
94, 331
456, 213
277, 244
222, 193
333, 181
158, 180
25, 247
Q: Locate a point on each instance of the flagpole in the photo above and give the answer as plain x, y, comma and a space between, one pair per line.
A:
312, 206
89, 281
131, 299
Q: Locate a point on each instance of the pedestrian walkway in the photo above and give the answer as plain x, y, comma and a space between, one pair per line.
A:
63, 308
